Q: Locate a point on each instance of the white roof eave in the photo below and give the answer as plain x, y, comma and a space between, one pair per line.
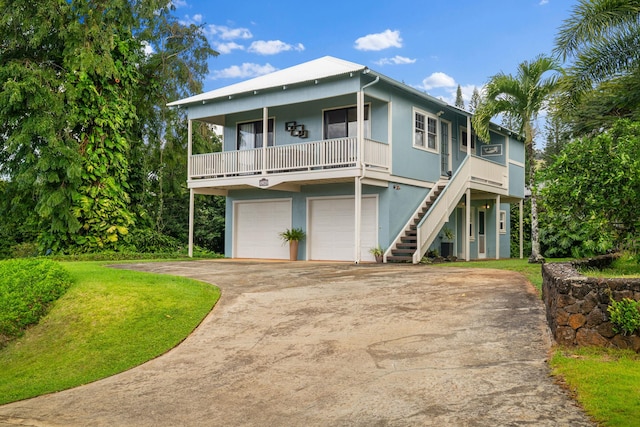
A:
321, 68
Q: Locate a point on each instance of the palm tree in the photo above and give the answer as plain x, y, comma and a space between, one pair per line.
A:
603, 37
520, 97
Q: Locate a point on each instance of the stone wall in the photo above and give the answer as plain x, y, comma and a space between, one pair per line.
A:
577, 305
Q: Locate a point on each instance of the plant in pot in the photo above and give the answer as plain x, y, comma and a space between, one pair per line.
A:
293, 236
378, 253
446, 246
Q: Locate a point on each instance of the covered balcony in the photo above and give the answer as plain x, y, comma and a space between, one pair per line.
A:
331, 160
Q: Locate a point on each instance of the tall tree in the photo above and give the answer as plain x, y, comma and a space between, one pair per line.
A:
475, 100
522, 96
603, 37
601, 40
79, 106
459, 99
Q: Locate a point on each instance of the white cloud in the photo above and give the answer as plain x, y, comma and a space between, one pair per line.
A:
396, 60
543, 2
379, 41
147, 48
197, 18
225, 33
272, 47
178, 3
243, 71
437, 80
225, 48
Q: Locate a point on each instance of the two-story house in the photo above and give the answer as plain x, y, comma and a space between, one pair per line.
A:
357, 160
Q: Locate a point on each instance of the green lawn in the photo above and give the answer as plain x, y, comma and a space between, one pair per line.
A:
108, 321
606, 382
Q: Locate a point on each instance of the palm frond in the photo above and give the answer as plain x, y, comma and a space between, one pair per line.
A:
594, 20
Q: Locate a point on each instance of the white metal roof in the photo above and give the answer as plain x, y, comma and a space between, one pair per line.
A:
320, 68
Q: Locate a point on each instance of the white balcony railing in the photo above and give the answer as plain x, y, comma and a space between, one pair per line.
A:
331, 153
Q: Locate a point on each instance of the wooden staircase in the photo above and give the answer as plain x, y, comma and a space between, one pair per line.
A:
407, 245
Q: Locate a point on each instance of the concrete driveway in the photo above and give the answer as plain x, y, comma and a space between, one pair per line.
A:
315, 344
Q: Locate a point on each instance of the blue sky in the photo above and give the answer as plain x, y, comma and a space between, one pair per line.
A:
430, 45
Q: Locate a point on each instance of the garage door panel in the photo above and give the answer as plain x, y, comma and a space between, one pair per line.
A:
332, 228
257, 224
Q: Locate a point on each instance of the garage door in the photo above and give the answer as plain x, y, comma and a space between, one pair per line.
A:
256, 227
332, 228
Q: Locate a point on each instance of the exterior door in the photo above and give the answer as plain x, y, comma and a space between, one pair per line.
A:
445, 132
482, 235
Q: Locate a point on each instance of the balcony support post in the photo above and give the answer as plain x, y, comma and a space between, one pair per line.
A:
191, 209
189, 149
498, 226
467, 237
265, 138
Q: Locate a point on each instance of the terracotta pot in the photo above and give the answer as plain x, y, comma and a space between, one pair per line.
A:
293, 250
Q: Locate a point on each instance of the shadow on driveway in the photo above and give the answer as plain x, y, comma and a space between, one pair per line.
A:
315, 344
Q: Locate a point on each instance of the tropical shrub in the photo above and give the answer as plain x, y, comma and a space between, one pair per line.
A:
27, 289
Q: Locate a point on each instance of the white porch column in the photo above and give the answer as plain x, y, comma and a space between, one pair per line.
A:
521, 231
467, 238
468, 135
498, 226
358, 219
191, 199
189, 147
265, 138
191, 206
358, 182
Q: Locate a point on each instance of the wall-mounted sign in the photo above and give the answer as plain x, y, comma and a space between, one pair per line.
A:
491, 150
264, 182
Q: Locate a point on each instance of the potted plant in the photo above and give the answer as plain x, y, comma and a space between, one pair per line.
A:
378, 253
446, 246
293, 236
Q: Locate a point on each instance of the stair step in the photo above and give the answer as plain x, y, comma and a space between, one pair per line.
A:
409, 239
402, 251
393, 258
407, 245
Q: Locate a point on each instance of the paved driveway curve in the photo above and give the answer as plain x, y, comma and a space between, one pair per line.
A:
314, 344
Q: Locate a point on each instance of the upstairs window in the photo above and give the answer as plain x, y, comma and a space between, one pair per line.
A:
463, 140
343, 123
251, 135
425, 134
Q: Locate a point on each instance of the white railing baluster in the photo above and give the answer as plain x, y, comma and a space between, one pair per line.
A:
284, 158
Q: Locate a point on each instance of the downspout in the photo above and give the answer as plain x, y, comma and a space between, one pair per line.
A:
360, 161
191, 198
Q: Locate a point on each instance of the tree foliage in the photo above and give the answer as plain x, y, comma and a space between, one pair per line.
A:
459, 99
520, 97
591, 194
601, 40
83, 117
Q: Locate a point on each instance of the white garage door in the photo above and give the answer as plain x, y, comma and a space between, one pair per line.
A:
256, 227
332, 228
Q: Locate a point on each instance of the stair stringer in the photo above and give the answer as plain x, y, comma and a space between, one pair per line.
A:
416, 214
438, 215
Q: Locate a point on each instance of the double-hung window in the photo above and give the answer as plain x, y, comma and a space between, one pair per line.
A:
503, 222
425, 131
251, 135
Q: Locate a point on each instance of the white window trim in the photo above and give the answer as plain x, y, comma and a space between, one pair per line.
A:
503, 223
367, 123
427, 116
463, 141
